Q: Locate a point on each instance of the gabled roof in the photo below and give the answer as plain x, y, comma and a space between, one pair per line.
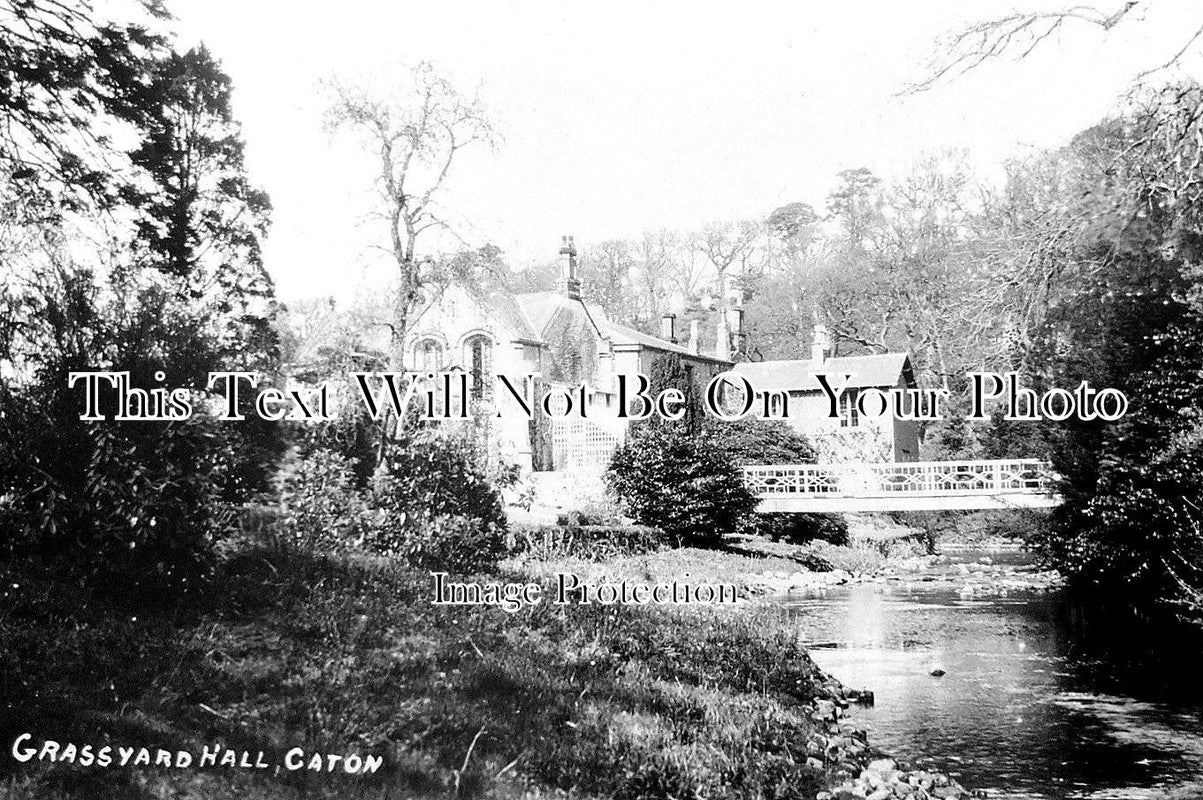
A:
494, 300
498, 300
539, 307
883, 370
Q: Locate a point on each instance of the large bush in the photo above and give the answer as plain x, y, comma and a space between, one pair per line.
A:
680, 483
755, 441
322, 511
437, 475
130, 507
436, 511
435, 505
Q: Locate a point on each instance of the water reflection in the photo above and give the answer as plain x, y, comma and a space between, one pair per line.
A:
1013, 713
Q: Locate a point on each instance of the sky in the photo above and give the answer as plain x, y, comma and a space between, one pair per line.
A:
620, 117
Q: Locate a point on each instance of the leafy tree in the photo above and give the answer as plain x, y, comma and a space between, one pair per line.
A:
1124, 314
854, 204
793, 224
66, 68
134, 505
202, 222
680, 483
607, 270
203, 210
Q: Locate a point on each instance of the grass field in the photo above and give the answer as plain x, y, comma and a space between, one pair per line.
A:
348, 657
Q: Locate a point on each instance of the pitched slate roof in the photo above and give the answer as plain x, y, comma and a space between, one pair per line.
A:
509, 310
541, 308
621, 334
799, 375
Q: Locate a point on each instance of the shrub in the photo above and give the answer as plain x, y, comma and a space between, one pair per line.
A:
150, 507
603, 512
679, 483
798, 527
756, 441
128, 507
322, 511
437, 475
444, 542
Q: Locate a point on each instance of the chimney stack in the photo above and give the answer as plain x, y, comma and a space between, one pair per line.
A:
820, 344
668, 327
572, 284
722, 347
694, 336
735, 321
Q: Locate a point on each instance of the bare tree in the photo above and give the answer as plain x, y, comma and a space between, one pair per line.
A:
657, 253
416, 130
730, 248
1018, 35
607, 268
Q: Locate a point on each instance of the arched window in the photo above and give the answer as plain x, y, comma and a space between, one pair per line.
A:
777, 404
430, 356
479, 356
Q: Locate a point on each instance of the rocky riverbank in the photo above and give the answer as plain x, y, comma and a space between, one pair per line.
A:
974, 575
883, 555
767, 571
856, 770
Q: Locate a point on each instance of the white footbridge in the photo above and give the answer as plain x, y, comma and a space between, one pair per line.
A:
906, 486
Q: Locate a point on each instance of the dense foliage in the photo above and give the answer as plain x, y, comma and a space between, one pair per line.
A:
120, 175
681, 483
755, 441
1127, 314
429, 506
321, 509
439, 475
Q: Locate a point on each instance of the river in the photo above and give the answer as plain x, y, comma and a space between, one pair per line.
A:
1014, 714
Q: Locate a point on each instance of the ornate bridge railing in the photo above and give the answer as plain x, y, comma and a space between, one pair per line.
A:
921, 485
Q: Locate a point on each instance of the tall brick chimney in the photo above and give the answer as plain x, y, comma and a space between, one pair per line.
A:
668, 327
572, 284
735, 321
722, 344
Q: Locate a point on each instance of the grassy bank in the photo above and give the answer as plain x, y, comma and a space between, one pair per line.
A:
754, 565
347, 656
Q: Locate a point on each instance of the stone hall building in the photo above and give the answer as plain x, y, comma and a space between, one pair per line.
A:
566, 340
